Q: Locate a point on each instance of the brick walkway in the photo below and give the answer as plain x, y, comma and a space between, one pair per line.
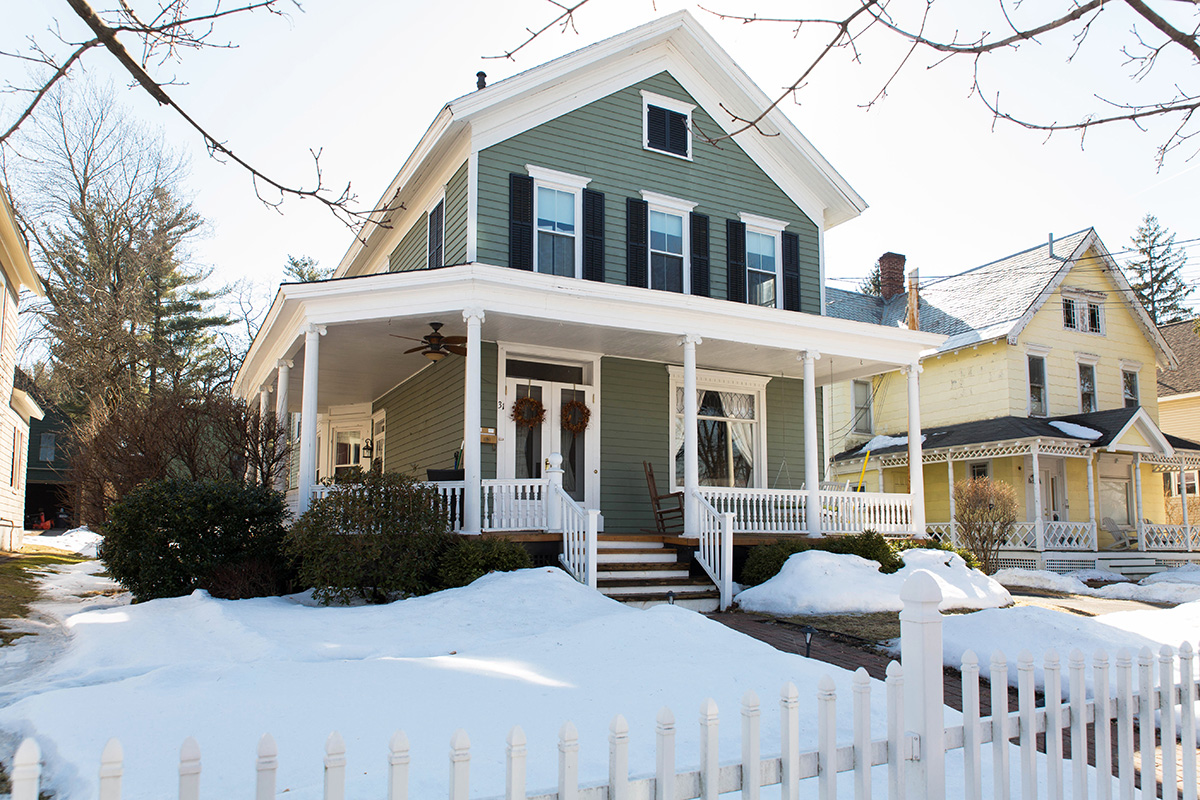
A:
849, 653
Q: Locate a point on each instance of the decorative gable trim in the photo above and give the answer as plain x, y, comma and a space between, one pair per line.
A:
1148, 429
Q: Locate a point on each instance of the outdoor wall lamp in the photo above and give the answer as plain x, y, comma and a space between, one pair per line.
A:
368, 449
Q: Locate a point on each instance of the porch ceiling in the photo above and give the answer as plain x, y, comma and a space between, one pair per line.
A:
360, 359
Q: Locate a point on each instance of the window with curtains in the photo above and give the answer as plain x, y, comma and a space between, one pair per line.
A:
1087, 388
727, 427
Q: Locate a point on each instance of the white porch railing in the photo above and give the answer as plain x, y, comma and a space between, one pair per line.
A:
913, 746
452, 494
1070, 535
580, 532
716, 547
514, 505
759, 510
1171, 537
854, 512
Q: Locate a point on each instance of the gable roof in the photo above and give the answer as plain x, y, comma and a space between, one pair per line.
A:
676, 43
14, 253
998, 299
1184, 340
1111, 424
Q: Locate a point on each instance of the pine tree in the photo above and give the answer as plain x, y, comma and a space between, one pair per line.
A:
873, 283
1155, 273
305, 269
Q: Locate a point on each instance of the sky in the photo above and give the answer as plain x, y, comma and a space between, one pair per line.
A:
361, 80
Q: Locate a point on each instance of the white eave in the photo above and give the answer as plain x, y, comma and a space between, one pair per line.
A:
14, 254
24, 404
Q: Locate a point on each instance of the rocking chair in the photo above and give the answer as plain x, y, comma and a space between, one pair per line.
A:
668, 508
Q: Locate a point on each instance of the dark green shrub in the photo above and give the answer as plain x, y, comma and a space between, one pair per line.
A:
765, 560
374, 540
470, 558
169, 537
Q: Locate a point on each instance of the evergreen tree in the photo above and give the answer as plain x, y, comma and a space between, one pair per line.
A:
1155, 272
305, 269
873, 283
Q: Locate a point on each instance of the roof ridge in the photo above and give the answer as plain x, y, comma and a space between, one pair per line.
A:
1009, 256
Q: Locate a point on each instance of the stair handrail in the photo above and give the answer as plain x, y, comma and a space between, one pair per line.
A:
580, 531
716, 546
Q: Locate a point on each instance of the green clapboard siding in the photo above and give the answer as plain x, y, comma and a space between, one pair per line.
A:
413, 250
785, 433
634, 428
425, 417
603, 141
455, 248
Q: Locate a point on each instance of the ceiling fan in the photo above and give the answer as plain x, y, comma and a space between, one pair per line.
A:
435, 345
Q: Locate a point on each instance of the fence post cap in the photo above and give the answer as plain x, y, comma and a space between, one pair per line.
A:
1185, 648
826, 686
970, 659
190, 750
516, 737
665, 717
618, 726
1166, 652
28, 753
921, 587
266, 746
112, 752
398, 742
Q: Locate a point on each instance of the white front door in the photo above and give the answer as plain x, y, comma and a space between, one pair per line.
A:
526, 450
1053, 490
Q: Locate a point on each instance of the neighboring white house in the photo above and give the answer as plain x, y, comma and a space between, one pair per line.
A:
18, 273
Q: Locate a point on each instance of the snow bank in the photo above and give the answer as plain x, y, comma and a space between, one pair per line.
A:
1037, 629
816, 582
879, 442
1076, 431
1179, 585
76, 540
532, 648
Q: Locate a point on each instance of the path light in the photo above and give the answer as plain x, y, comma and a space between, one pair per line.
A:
808, 631
670, 598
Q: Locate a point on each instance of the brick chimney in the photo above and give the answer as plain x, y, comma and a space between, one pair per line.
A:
891, 275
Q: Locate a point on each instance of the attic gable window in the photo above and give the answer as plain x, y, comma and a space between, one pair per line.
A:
1084, 311
667, 125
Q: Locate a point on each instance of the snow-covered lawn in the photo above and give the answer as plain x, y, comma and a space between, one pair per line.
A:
816, 582
1178, 585
532, 648
76, 540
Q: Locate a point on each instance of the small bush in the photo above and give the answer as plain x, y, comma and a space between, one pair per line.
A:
765, 560
167, 538
374, 540
986, 513
468, 559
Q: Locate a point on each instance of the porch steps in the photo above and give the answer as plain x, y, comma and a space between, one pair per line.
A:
641, 571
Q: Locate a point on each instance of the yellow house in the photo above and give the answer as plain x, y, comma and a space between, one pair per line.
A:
1179, 408
1046, 382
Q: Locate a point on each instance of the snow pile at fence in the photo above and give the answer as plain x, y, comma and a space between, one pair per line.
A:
532, 648
1178, 585
77, 540
1037, 629
816, 582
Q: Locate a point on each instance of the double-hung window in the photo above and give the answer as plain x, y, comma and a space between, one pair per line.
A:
1129, 388
1087, 388
668, 242
862, 407
764, 256
557, 209
1037, 385
731, 446
1083, 310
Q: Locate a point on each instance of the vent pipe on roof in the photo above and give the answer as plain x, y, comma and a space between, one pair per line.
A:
480, 80
1050, 244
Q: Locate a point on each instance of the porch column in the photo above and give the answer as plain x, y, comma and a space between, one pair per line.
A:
472, 420
1137, 494
1039, 529
284, 368
1092, 500
950, 479
916, 466
812, 475
1187, 529
691, 443
308, 416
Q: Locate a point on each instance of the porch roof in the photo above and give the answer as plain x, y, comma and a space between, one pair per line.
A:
360, 361
1002, 434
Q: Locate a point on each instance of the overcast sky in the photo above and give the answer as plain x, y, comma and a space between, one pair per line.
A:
362, 79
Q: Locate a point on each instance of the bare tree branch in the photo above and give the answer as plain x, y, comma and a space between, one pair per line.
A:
566, 20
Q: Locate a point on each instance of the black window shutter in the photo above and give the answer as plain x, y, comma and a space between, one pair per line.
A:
735, 233
677, 133
436, 234
791, 271
656, 127
593, 235
699, 223
520, 221
637, 225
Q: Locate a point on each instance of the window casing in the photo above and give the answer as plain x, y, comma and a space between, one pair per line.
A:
1129, 388
668, 245
557, 213
863, 422
981, 469
731, 429
1084, 314
667, 125
764, 260
436, 239
1070, 315
1087, 388
1037, 386
18, 444
1172, 486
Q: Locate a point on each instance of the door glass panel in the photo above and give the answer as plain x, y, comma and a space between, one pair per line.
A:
528, 449
573, 451
347, 450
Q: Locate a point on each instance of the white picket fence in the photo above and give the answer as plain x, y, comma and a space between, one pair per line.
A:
912, 750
